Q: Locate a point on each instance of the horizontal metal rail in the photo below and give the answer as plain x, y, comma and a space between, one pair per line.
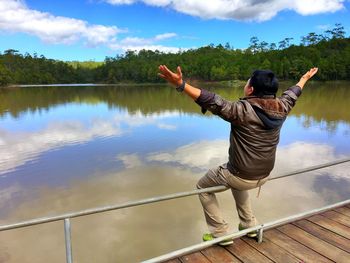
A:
313, 168
151, 200
202, 245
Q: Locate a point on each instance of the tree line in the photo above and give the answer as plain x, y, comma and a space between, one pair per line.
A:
329, 51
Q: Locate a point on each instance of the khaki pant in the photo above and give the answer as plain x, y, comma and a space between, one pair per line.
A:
239, 187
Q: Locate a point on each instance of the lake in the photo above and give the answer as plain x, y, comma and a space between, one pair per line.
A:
71, 148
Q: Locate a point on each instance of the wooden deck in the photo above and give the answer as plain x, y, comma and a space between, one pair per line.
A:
323, 237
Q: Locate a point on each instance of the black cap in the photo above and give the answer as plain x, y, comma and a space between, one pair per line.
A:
264, 82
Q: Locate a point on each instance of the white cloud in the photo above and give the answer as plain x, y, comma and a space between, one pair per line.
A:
16, 16
311, 7
164, 36
137, 44
137, 41
259, 10
137, 48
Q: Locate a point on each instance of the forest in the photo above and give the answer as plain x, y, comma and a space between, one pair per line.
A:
329, 51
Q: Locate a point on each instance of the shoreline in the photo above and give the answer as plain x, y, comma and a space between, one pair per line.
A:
227, 83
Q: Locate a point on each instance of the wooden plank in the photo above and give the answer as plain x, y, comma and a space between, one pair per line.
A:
219, 254
331, 225
320, 246
300, 251
173, 261
348, 206
324, 234
272, 251
340, 218
246, 253
343, 210
196, 257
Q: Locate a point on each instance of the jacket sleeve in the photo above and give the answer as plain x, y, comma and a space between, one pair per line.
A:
289, 97
227, 110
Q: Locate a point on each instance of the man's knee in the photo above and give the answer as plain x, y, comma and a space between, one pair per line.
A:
205, 181
200, 184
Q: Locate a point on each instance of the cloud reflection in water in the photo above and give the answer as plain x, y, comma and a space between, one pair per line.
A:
207, 154
17, 148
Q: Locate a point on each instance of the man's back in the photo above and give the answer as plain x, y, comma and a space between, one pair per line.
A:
255, 127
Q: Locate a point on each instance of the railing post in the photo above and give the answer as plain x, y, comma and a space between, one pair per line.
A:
67, 235
260, 234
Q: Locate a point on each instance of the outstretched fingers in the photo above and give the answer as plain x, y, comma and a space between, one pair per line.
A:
165, 71
162, 76
314, 71
310, 73
172, 77
179, 71
166, 68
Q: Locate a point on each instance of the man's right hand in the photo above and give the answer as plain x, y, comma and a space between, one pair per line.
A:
176, 80
171, 77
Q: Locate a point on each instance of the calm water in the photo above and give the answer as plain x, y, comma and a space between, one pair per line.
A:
71, 148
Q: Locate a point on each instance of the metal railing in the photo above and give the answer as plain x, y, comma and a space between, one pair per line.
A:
66, 217
259, 228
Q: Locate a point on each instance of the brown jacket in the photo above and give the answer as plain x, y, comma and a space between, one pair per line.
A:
255, 128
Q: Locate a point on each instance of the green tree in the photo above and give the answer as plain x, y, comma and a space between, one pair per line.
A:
311, 39
218, 73
4, 75
337, 32
266, 64
285, 43
273, 46
254, 44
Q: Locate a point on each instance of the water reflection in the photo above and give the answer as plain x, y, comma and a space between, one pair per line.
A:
320, 101
200, 155
65, 149
166, 226
19, 147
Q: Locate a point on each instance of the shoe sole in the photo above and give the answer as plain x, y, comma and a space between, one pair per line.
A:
226, 243
252, 235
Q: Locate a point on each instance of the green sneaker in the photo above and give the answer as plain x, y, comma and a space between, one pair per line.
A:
209, 237
252, 234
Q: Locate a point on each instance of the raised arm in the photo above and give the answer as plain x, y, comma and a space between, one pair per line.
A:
176, 80
308, 75
290, 96
229, 111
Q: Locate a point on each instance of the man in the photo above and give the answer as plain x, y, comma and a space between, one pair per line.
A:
256, 121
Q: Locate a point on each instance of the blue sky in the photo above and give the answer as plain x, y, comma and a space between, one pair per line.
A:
93, 29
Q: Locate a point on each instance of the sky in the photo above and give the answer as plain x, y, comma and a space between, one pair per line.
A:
93, 29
